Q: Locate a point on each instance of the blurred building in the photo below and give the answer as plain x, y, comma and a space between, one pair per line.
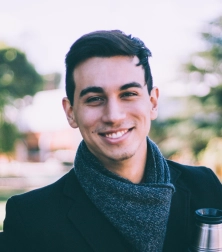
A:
46, 133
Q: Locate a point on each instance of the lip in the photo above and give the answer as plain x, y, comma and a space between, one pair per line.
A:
116, 139
111, 131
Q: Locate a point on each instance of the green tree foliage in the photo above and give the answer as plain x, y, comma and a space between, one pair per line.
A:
201, 119
206, 66
17, 78
8, 136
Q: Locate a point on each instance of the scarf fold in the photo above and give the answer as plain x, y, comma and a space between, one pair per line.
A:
139, 211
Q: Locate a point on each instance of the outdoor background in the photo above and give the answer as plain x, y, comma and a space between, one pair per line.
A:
185, 37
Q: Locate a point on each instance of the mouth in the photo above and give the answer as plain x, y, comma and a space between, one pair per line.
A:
116, 134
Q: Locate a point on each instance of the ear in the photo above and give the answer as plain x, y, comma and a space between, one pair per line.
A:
154, 95
69, 112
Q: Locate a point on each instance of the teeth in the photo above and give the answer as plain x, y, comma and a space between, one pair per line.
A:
116, 134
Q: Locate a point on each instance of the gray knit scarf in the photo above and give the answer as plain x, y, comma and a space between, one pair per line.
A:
139, 211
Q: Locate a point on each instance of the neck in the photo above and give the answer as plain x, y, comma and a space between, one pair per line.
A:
132, 168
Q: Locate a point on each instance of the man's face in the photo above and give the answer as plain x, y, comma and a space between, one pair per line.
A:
112, 107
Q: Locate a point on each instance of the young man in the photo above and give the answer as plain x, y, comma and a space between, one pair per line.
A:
121, 195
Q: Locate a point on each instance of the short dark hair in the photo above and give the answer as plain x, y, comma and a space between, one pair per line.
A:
105, 44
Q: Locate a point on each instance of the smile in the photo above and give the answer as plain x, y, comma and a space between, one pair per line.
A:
116, 134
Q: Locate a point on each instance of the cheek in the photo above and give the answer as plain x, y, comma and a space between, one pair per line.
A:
87, 118
142, 111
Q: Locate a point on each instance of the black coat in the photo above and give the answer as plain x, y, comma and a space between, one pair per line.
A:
60, 217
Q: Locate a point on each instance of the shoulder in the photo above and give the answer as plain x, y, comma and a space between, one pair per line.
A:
33, 210
188, 170
31, 216
191, 172
42, 196
198, 180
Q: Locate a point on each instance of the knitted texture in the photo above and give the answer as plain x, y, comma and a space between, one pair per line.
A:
139, 211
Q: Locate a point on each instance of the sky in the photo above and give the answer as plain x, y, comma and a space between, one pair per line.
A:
45, 29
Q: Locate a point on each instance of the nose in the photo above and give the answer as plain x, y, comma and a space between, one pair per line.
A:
113, 112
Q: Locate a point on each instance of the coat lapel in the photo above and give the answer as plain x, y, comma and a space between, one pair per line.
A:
178, 222
93, 226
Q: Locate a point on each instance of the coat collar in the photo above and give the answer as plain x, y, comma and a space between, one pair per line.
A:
174, 172
93, 226
177, 235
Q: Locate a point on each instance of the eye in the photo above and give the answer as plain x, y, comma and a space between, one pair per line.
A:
95, 100
129, 94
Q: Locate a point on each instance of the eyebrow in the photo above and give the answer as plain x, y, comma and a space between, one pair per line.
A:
130, 85
95, 89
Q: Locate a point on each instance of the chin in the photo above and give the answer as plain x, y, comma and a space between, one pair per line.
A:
122, 157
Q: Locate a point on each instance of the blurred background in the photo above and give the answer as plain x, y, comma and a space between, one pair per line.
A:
37, 146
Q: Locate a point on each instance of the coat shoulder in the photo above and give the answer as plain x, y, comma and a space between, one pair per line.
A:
40, 201
200, 181
192, 172
196, 187
44, 193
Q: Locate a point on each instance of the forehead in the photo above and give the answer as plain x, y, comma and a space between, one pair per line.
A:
106, 72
